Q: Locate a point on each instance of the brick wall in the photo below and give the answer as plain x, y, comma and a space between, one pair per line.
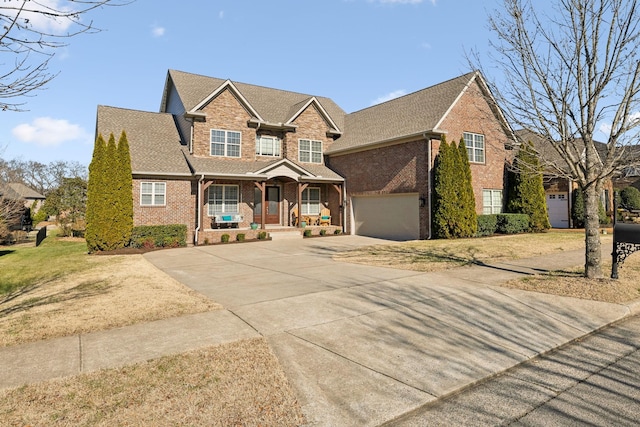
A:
400, 168
311, 125
473, 114
225, 113
179, 208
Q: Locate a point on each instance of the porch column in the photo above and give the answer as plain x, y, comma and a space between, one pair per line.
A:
301, 188
338, 188
262, 186
203, 204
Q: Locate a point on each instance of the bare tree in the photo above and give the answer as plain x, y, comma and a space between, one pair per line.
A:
564, 75
30, 33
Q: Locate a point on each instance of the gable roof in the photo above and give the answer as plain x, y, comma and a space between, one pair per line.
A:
267, 104
17, 191
153, 139
408, 115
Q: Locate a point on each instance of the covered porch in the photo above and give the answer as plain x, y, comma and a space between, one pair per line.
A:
283, 197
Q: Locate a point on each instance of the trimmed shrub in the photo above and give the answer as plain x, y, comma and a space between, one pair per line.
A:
630, 198
577, 208
453, 210
323, 232
337, 231
225, 238
159, 236
240, 237
307, 232
512, 223
262, 235
526, 191
487, 225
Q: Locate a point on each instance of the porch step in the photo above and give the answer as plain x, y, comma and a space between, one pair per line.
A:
281, 235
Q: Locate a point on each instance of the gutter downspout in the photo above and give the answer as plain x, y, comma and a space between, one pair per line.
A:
429, 192
199, 207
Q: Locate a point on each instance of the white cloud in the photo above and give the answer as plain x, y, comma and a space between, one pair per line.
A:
48, 132
388, 97
605, 127
426, 46
39, 21
158, 31
221, 14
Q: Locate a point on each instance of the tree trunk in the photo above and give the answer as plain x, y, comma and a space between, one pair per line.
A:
593, 251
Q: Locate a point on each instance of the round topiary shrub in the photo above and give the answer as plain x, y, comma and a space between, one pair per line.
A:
224, 238
630, 198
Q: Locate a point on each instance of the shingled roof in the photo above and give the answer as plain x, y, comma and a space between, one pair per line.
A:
17, 191
153, 138
408, 115
273, 105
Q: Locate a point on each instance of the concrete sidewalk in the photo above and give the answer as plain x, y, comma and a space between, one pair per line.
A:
361, 345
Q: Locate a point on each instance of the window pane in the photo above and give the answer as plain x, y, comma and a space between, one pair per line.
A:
233, 151
304, 145
159, 199
217, 136
217, 149
316, 146
146, 199
146, 187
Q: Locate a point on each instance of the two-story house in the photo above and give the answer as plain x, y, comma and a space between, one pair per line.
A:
223, 153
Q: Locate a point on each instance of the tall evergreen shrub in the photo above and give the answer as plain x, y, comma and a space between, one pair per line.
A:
96, 205
445, 195
468, 216
526, 190
109, 196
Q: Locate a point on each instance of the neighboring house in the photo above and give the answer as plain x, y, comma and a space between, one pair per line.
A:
221, 152
558, 185
19, 191
20, 199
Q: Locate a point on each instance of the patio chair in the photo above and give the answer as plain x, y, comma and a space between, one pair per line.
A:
325, 216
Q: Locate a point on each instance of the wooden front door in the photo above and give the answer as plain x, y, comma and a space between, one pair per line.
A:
272, 200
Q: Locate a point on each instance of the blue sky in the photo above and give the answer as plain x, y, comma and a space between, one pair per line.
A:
357, 52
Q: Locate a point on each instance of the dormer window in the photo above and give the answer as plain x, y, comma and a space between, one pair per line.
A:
225, 143
310, 151
268, 146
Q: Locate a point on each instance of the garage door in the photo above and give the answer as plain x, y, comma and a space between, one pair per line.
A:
558, 207
394, 217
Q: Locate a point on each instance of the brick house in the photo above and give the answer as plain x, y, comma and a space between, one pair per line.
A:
221, 155
559, 187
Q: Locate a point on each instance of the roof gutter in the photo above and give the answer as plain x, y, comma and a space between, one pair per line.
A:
394, 140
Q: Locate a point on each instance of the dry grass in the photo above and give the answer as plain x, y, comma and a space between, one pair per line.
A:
438, 255
114, 291
238, 384
571, 283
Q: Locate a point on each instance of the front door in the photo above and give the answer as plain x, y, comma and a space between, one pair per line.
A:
273, 206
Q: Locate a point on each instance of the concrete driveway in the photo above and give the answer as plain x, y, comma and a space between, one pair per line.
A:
363, 345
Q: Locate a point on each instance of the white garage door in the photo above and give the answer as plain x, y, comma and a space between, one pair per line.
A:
558, 207
394, 217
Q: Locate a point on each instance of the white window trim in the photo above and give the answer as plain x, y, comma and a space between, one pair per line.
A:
277, 146
473, 147
211, 205
226, 143
311, 152
306, 203
492, 207
154, 193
